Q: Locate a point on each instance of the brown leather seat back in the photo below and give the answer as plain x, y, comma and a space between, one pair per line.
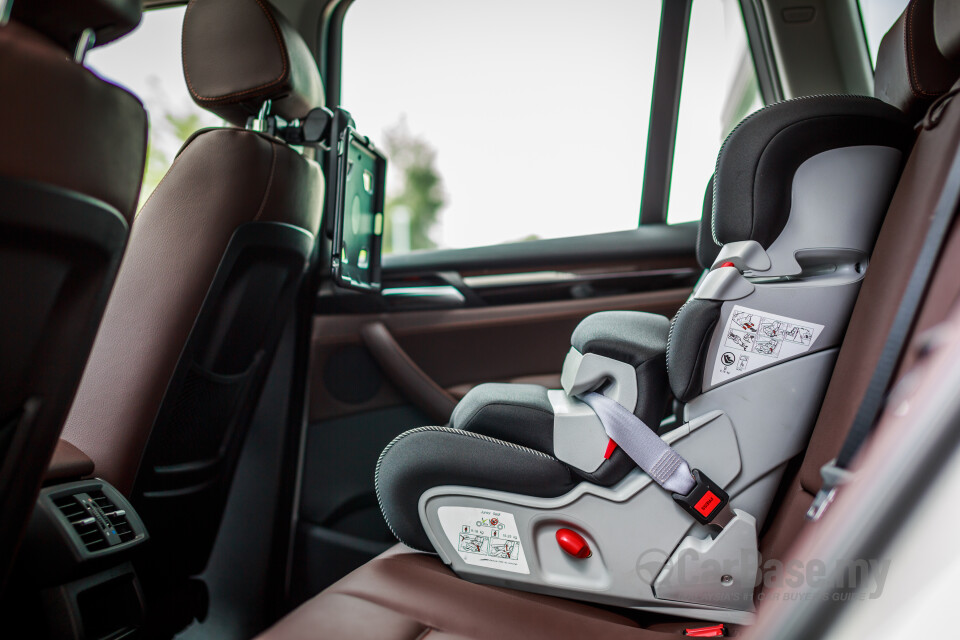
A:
71, 157
209, 280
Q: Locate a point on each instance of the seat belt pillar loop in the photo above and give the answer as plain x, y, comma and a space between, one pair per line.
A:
833, 476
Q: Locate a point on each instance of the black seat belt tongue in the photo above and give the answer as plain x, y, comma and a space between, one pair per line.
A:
835, 473
706, 502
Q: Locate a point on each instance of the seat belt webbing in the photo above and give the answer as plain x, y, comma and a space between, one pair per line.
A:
653, 455
692, 490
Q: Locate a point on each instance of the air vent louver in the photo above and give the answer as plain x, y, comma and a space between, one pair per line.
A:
98, 522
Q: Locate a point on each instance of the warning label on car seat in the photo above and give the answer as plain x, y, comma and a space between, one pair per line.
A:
484, 537
753, 339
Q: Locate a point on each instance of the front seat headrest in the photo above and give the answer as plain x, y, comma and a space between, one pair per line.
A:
911, 71
237, 54
63, 21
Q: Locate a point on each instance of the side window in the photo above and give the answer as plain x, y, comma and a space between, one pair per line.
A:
504, 121
719, 89
147, 63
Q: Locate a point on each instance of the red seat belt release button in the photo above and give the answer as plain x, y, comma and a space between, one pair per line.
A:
716, 631
573, 543
727, 264
611, 447
705, 500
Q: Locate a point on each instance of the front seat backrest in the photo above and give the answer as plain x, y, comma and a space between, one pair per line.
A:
214, 264
72, 150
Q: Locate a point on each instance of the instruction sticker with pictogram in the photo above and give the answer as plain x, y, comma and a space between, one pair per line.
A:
753, 339
484, 537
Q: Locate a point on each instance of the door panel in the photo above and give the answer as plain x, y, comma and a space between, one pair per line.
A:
457, 348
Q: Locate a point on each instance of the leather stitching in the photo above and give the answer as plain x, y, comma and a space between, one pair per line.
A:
261, 89
908, 40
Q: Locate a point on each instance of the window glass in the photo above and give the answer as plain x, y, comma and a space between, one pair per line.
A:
504, 121
147, 63
719, 89
878, 16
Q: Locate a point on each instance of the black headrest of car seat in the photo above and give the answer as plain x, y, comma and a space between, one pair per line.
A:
237, 54
912, 71
754, 176
63, 21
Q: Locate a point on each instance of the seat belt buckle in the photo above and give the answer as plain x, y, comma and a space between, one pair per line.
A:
705, 501
833, 477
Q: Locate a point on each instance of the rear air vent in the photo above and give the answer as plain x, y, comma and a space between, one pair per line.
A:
93, 519
98, 522
116, 516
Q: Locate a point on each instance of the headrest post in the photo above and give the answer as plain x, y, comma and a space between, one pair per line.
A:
86, 41
6, 6
260, 122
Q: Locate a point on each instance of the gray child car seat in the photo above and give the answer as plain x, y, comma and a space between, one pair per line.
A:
526, 489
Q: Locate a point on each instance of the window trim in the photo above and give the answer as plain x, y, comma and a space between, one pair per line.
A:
664, 109
761, 51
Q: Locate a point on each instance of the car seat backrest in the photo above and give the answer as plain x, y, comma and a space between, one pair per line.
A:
71, 157
209, 281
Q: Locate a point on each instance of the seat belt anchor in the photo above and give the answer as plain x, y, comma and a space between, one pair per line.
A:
833, 478
705, 501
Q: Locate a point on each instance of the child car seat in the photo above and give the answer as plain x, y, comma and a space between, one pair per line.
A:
525, 488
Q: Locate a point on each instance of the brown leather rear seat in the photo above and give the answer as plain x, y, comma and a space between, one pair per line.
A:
406, 594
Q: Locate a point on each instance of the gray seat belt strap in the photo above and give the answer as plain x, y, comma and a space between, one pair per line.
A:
661, 462
692, 490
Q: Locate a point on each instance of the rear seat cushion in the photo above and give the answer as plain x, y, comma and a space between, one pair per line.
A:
407, 595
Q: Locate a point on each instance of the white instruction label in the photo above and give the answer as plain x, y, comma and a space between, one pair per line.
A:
484, 537
754, 339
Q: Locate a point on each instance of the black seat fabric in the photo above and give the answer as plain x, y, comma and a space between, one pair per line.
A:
71, 158
210, 279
